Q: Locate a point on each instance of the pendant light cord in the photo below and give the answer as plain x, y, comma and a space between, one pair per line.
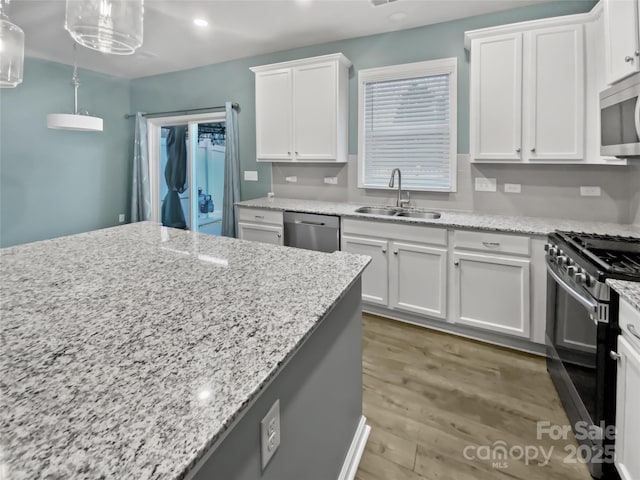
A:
74, 79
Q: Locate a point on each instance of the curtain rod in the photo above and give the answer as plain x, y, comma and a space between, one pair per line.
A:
236, 106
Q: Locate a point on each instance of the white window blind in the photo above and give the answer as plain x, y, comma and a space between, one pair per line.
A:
408, 122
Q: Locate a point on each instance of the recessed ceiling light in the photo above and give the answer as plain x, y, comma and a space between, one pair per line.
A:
201, 22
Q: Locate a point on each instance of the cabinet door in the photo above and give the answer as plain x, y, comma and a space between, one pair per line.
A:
492, 293
621, 38
627, 460
375, 277
418, 280
260, 233
496, 98
273, 115
315, 89
554, 77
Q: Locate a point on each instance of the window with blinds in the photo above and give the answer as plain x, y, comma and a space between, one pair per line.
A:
407, 120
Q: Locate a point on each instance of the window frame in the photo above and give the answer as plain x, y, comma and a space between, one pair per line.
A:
412, 70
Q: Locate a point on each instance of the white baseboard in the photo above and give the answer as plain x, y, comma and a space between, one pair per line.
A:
352, 460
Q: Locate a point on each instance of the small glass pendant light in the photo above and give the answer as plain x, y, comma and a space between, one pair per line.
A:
108, 26
11, 51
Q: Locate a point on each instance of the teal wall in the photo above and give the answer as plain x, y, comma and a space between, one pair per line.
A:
56, 182
214, 84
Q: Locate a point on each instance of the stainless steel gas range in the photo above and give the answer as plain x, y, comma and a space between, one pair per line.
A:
582, 328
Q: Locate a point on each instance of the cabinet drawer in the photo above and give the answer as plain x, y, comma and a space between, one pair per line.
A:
397, 231
259, 215
630, 322
492, 242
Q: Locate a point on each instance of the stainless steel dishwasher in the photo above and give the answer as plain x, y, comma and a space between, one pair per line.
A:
311, 231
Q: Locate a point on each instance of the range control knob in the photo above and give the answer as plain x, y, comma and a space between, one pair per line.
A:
561, 260
582, 279
571, 271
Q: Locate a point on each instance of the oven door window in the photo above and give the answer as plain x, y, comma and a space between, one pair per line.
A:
618, 123
575, 340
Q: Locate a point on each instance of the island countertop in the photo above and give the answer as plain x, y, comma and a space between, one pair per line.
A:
128, 352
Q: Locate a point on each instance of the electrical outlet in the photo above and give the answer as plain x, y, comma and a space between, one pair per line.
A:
590, 191
250, 176
485, 184
512, 188
331, 180
121, 218
270, 433
292, 179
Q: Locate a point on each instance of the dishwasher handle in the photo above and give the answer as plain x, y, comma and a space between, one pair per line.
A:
305, 222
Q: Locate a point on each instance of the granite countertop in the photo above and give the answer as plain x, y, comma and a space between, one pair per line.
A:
452, 219
630, 291
127, 352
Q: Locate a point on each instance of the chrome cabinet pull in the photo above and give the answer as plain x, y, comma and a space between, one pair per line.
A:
384, 250
518, 150
456, 263
491, 244
279, 235
628, 58
533, 150
395, 252
634, 332
614, 355
258, 217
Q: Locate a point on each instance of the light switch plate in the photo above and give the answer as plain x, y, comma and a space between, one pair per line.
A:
121, 218
251, 176
512, 188
590, 191
270, 433
292, 179
331, 180
485, 184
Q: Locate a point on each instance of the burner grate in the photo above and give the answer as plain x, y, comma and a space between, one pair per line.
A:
613, 255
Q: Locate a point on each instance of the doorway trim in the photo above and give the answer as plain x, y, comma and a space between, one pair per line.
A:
154, 126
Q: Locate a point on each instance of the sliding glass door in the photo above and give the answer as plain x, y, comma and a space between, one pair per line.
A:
187, 167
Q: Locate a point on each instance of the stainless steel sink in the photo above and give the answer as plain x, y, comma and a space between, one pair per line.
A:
399, 212
378, 210
429, 215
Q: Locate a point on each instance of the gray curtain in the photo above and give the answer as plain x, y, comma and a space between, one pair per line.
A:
140, 190
231, 173
175, 174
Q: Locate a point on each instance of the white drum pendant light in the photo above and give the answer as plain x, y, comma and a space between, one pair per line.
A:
108, 26
11, 51
75, 120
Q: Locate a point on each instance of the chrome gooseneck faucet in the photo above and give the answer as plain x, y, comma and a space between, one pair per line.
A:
399, 202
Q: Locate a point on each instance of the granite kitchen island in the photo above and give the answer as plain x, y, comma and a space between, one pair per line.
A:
141, 352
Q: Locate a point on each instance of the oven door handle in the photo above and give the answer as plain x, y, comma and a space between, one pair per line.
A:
582, 299
636, 117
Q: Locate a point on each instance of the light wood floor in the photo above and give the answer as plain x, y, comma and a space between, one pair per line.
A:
428, 395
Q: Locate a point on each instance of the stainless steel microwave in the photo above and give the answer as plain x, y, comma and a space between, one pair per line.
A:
620, 119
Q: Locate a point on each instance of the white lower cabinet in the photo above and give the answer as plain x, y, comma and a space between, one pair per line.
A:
258, 225
627, 460
408, 270
418, 279
260, 233
492, 292
375, 277
478, 279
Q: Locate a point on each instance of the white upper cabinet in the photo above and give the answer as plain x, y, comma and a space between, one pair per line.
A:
535, 90
302, 110
496, 98
621, 38
553, 111
274, 117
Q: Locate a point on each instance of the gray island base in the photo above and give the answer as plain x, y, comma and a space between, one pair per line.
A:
151, 353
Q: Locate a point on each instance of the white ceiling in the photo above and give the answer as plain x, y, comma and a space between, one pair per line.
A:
237, 28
